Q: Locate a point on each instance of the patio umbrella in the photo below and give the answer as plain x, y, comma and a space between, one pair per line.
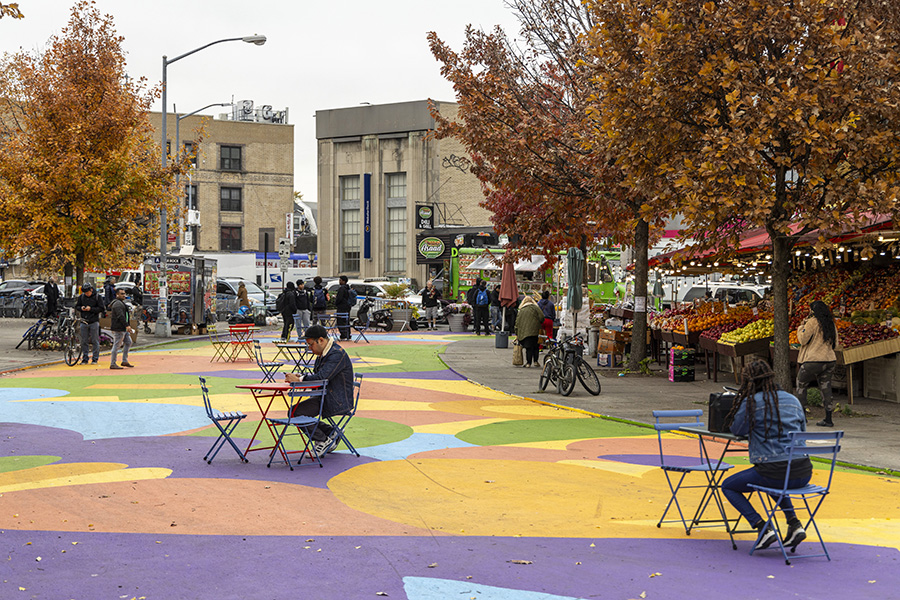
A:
575, 273
509, 290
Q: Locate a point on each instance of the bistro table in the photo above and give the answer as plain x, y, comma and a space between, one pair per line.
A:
714, 479
265, 394
298, 353
242, 340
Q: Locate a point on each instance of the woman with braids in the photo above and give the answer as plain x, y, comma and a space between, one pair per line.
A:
767, 415
818, 337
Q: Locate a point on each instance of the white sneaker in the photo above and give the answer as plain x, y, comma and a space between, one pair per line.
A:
766, 539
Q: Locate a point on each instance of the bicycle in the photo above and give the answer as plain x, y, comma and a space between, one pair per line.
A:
70, 336
41, 330
557, 370
571, 351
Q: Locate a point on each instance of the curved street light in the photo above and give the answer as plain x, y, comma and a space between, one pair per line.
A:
163, 325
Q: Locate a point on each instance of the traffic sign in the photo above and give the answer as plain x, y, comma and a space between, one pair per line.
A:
284, 248
284, 263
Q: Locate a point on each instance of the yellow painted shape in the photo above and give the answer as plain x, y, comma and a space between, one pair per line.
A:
235, 401
534, 410
465, 388
371, 361
398, 405
875, 532
612, 466
454, 427
549, 444
144, 386
61, 475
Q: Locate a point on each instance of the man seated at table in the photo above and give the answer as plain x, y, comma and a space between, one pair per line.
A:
332, 363
767, 415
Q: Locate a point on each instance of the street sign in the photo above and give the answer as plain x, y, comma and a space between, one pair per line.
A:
284, 264
284, 249
274, 278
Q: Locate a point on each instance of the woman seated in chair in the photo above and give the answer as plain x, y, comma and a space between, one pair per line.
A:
767, 415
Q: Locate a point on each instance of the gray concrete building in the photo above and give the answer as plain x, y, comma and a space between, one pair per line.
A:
377, 164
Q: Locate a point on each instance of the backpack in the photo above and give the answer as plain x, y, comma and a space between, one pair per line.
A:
279, 302
481, 298
351, 297
319, 299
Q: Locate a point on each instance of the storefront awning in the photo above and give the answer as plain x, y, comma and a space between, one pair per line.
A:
492, 263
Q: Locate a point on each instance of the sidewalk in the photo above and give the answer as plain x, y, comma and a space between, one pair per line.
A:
871, 438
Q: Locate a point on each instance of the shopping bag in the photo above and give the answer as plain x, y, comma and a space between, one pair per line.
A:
518, 359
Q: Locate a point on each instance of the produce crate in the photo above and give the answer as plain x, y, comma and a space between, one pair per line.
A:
611, 347
681, 373
666, 336
847, 356
759, 346
691, 339
607, 361
681, 357
616, 336
622, 313
707, 344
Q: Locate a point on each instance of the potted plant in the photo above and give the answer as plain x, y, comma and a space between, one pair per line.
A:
460, 316
396, 294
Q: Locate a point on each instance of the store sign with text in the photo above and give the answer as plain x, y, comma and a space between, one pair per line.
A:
424, 216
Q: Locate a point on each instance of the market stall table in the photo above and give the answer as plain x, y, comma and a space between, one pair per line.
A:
265, 395
714, 479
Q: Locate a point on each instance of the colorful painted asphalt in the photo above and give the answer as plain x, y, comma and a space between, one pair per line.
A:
460, 492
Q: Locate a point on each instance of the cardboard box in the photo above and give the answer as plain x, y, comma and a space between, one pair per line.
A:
616, 336
611, 347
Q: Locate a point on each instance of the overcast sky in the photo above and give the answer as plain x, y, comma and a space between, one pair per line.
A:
319, 54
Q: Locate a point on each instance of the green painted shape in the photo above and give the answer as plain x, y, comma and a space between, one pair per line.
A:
363, 433
412, 357
20, 463
545, 430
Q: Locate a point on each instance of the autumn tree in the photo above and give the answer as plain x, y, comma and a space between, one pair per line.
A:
80, 175
10, 10
521, 117
754, 113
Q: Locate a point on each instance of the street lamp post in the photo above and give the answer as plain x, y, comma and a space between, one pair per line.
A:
163, 325
178, 119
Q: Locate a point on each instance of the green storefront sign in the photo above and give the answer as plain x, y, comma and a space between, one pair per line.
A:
431, 247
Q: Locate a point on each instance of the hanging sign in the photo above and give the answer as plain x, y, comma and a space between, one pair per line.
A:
424, 216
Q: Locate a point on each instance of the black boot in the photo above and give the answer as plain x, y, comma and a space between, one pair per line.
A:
826, 422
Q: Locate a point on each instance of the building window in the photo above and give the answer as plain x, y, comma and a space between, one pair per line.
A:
396, 240
231, 238
230, 199
231, 158
189, 152
350, 241
396, 185
350, 188
190, 197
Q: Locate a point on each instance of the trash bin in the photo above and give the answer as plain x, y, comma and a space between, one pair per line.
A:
593, 341
501, 339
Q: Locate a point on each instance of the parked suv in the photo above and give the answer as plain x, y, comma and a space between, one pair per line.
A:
227, 290
372, 289
733, 293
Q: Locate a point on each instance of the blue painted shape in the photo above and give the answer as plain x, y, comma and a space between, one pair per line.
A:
17, 394
426, 588
417, 442
97, 420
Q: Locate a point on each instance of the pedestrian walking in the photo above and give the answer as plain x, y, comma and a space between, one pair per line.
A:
528, 327
482, 305
286, 304
51, 293
342, 308
120, 320
304, 302
818, 337
549, 311
431, 300
320, 299
90, 306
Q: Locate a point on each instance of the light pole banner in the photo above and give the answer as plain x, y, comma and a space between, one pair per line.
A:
367, 215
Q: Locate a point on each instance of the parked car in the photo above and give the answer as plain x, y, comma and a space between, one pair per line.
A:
371, 289
227, 289
17, 287
731, 292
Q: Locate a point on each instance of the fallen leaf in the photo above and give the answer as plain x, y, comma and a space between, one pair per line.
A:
310, 540
871, 581
593, 545
38, 559
643, 594
655, 575
770, 577
432, 565
521, 562
468, 577
578, 563
381, 593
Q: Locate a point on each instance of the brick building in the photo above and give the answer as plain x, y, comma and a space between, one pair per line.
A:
243, 181
376, 164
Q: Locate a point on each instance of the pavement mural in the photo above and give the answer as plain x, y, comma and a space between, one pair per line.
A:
461, 492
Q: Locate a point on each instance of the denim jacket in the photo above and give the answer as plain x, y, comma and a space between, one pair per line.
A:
773, 449
334, 365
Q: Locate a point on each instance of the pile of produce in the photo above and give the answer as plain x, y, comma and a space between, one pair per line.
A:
760, 329
857, 335
714, 333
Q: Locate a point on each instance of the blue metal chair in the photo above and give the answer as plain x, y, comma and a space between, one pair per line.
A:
339, 422
305, 426
828, 442
338, 319
363, 317
268, 368
225, 422
670, 467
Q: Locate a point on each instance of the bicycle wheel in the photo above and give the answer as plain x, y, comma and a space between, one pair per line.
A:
587, 377
26, 337
546, 373
566, 379
71, 350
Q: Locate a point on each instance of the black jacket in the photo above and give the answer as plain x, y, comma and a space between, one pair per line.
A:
120, 316
430, 299
303, 299
342, 298
95, 307
290, 302
51, 292
338, 370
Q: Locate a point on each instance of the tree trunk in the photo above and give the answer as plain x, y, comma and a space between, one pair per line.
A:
781, 268
641, 268
79, 268
68, 273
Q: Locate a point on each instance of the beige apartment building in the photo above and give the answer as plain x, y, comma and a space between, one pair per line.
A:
242, 183
377, 164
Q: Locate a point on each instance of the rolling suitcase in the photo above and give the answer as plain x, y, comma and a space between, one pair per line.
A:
719, 407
